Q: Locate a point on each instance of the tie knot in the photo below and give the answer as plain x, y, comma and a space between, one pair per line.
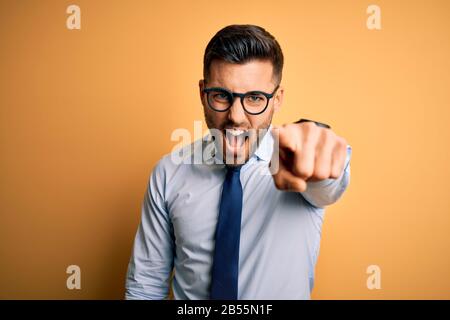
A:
234, 169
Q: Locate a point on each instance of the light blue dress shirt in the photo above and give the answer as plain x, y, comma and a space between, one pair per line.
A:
280, 232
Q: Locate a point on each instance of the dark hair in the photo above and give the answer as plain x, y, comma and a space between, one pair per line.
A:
243, 43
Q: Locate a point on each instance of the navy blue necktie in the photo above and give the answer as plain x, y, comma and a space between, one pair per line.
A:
225, 270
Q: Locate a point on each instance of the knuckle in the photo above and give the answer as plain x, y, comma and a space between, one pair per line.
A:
342, 142
328, 134
304, 171
321, 173
309, 125
335, 173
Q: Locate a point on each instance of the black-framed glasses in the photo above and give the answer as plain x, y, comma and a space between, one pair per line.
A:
253, 102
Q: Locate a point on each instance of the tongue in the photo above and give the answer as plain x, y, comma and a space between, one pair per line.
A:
235, 141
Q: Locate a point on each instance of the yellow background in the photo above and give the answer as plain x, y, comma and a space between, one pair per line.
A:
85, 114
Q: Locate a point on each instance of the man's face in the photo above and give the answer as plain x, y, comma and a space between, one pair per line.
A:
255, 75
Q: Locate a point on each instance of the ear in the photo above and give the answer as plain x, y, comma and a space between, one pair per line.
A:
278, 99
201, 85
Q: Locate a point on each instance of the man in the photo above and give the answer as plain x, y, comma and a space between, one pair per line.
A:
240, 227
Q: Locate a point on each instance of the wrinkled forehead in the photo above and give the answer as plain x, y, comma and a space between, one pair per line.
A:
249, 76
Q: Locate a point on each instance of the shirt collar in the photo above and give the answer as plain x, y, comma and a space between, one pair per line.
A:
265, 148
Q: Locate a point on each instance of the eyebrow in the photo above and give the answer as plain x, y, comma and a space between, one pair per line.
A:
254, 90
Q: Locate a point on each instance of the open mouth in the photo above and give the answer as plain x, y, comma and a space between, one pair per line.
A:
235, 138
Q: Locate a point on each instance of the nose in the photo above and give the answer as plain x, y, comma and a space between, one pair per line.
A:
236, 113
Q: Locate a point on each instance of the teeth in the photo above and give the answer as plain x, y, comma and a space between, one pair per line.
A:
235, 132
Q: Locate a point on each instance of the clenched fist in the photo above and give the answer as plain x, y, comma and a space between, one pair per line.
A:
307, 152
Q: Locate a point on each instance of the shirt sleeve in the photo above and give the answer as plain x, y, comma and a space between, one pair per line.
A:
151, 261
328, 191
